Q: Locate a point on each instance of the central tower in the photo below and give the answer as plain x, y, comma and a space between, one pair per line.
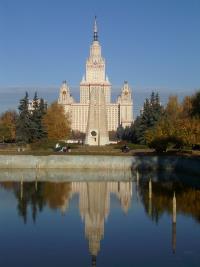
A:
95, 90
95, 74
96, 114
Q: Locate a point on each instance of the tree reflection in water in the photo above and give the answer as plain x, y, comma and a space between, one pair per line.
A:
187, 198
94, 200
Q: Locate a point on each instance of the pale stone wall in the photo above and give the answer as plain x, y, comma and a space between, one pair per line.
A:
65, 162
63, 175
113, 116
79, 117
126, 114
86, 88
101, 163
78, 114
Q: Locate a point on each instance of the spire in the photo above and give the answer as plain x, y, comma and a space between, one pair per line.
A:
95, 36
94, 261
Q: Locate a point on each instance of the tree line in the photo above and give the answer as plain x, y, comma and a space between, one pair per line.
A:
159, 127
175, 125
34, 122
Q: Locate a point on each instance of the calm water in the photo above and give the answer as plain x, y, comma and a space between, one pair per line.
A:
98, 219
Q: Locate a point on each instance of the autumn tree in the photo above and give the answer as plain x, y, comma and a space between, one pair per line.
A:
57, 194
56, 122
181, 123
177, 126
187, 107
8, 126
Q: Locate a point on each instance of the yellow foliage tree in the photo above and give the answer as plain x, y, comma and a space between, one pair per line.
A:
189, 131
167, 125
176, 123
57, 194
173, 108
8, 123
187, 107
56, 123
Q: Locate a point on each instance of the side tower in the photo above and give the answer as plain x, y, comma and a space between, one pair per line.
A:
65, 97
125, 106
95, 91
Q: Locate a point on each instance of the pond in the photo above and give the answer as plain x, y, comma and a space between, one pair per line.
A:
99, 218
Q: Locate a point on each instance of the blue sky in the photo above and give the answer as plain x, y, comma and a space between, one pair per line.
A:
150, 43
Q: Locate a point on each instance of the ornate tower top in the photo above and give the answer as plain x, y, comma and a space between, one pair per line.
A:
125, 96
95, 36
95, 65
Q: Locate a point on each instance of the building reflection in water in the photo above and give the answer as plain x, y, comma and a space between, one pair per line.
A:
94, 207
95, 197
94, 202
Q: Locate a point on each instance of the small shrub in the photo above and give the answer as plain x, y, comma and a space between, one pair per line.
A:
43, 145
130, 145
161, 144
175, 143
196, 147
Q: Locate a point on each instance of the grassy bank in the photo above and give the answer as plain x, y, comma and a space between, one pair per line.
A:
111, 150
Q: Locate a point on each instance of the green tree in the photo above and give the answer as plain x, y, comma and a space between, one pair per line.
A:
39, 110
4, 133
29, 126
24, 123
152, 111
135, 130
196, 105
120, 132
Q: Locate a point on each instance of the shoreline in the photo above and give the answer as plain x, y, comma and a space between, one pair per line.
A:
102, 162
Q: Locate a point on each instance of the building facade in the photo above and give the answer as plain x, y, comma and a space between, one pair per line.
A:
94, 80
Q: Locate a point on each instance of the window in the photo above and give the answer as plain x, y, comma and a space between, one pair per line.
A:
64, 95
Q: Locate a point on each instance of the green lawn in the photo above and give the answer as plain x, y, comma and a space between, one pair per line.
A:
47, 148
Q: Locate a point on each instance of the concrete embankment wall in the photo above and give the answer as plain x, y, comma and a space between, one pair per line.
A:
190, 165
65, 162
185, 164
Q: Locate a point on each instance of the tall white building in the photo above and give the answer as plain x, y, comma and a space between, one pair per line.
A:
95, 78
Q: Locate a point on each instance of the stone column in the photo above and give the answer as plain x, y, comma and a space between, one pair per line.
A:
150, 198
174, 223
97, 132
